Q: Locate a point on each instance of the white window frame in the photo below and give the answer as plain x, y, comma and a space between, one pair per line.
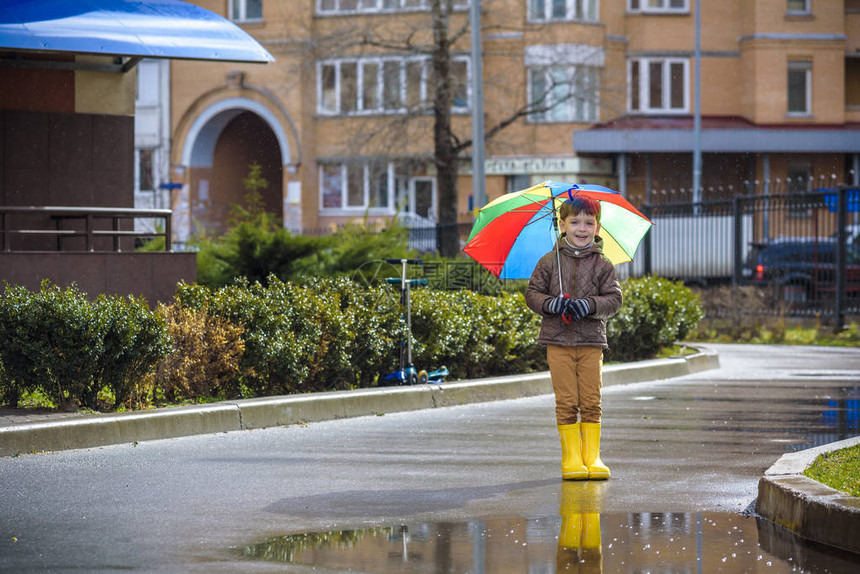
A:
338, 7
575, 110
643, 87
804, 66
657, 7
575, 11
381, 109
434, 200
805, 11
345, 207
242, 7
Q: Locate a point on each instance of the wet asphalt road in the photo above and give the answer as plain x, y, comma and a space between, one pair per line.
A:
696, 444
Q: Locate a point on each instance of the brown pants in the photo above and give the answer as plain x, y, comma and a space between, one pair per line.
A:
576, 380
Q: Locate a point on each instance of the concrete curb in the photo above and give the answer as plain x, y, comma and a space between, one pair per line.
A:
100, 430
806, 507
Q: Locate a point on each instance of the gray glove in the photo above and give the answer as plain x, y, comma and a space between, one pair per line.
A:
557, 305
578, 308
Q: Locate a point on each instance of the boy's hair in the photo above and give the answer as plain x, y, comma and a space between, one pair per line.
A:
579, 205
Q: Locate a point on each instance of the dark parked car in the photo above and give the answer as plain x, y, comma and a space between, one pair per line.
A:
801, 269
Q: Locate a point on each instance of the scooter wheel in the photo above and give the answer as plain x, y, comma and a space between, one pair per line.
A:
413, 378
422, 377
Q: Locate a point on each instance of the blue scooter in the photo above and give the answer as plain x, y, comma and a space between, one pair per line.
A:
407, 374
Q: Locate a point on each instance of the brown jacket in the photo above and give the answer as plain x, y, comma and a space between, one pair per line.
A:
586, 274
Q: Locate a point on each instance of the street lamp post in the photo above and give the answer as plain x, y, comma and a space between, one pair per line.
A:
479, 192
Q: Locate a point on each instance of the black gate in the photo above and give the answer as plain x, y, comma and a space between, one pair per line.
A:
803, 249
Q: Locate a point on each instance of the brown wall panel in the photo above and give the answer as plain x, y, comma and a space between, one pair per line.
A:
27, 136
71, 143
130, 275
37, 89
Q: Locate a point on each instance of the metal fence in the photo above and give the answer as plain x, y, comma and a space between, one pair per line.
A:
799, 251
802, 249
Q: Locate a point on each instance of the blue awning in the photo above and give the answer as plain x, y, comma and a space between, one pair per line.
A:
128, 28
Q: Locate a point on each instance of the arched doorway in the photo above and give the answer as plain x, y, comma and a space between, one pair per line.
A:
222, 144
244, 141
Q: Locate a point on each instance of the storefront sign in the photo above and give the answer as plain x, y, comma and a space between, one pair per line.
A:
546, 165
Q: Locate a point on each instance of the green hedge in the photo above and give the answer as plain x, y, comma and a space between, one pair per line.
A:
656, 313
71, 349
323, 334
330, 334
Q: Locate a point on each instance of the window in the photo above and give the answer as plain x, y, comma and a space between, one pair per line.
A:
460, 81
658, 85
545, 10
241, 10
350, 6
386, 85
517, 182
656, 6
145, 170
799, 88
356, 186
798, 7
563, 93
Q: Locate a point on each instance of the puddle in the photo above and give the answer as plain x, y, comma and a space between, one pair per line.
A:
571, 542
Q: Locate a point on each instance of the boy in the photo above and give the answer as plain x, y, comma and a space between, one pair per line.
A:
574, 331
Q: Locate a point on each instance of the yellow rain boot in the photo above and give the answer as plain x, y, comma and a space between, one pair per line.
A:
570, 535
572, 467
591, 555
591, 531
591, 452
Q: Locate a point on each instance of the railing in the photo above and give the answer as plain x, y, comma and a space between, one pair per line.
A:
89, 216
803, 248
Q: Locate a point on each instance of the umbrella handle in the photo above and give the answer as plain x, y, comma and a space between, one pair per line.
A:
566, 317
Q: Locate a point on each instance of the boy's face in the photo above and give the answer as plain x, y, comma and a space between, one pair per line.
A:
581, 228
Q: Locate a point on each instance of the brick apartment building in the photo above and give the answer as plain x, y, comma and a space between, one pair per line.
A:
341, 122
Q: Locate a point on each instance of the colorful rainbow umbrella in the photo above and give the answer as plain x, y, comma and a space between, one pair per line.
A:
514, 231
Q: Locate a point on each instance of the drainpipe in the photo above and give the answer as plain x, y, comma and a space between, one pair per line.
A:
622, 174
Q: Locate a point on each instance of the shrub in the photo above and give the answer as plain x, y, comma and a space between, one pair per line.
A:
442, 328
254, 250
205, 356
50, 340
474, 335
135, 338
371, 317
656, 312
58, 342
256, 247
294, 337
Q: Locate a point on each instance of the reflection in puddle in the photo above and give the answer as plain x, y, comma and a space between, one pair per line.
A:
575, 541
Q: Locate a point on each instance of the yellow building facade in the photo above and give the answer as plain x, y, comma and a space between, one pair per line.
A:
589, 91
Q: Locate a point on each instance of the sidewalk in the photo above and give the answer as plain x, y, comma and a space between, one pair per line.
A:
786, 498
22, 433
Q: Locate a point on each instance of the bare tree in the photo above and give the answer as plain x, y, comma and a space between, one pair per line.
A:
441, 41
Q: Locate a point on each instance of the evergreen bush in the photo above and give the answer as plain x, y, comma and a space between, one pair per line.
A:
57, 341
135, 338
249, 340
50, 340
656, 313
